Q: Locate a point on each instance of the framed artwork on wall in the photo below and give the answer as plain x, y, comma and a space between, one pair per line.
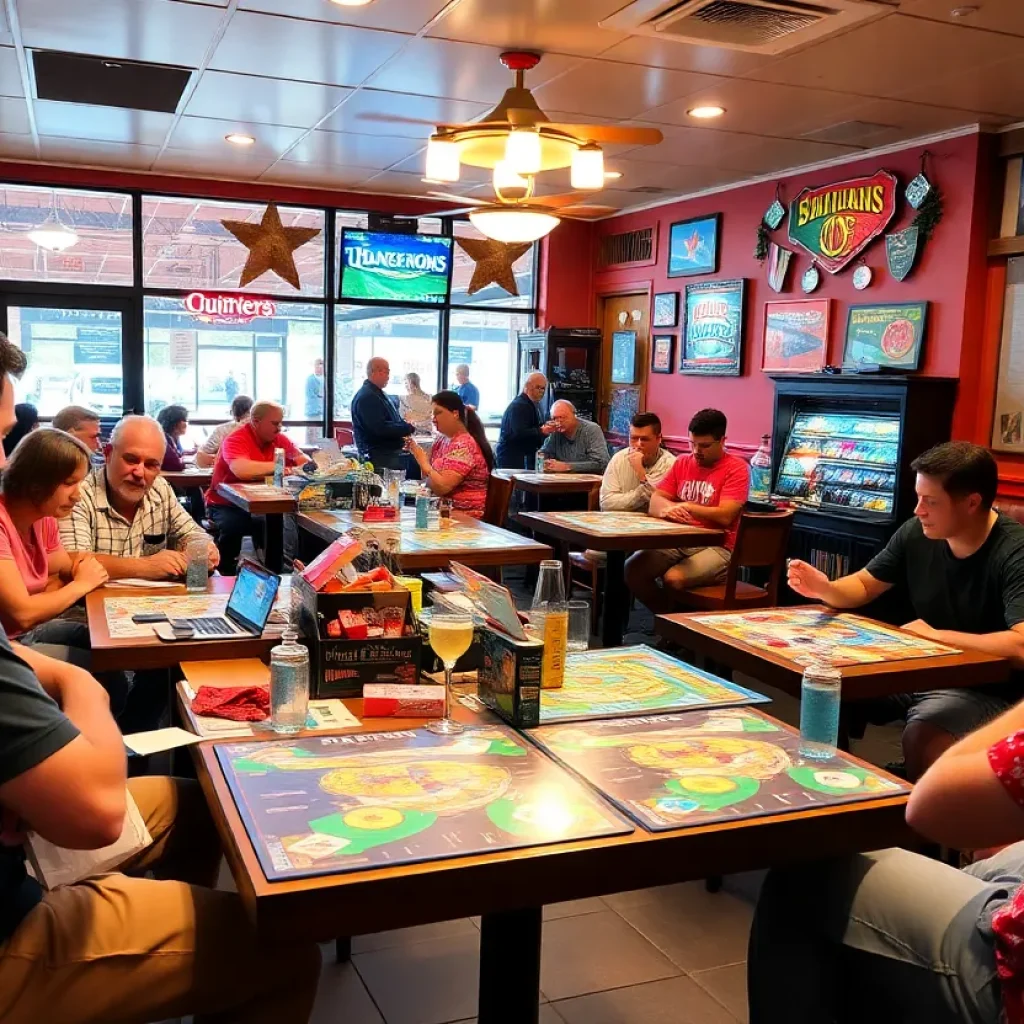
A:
693, 246
795, 336
663, 351
712, 343
666, 309
624, 357
625, 404
887, 334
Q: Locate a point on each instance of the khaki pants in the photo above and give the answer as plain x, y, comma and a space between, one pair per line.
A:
677, 569
116, 949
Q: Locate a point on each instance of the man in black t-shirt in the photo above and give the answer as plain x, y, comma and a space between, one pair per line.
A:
963, 566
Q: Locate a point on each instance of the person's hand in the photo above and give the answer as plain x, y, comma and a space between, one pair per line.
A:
212, 556
68, 574
677, 514
554, 466
548, 428
636, 460
417, 453
298, 566
12, 830
921, 628
90, 574
806, 580
166, 565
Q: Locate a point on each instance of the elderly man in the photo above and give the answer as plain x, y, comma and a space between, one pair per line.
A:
206, 457
465, 388
575, 445
522, 427
377, 425
81, 423
246, 455
128, 515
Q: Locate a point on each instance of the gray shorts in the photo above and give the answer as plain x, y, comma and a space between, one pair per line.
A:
957, 712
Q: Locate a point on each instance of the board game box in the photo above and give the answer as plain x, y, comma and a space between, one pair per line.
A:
635, 681
805, 634
703, 767
331, 804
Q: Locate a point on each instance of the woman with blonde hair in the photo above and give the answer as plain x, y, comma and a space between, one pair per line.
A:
415, 405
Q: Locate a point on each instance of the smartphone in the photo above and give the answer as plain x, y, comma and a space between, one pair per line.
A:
149, 617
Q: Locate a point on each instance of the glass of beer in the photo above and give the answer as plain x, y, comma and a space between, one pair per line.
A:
451, 634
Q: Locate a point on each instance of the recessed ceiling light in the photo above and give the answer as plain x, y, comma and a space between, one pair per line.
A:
351, 3
707, 111
612, 175
239, 139
964, 12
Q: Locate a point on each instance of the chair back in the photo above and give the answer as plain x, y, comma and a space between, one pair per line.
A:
344, 435
499, 494
761, 542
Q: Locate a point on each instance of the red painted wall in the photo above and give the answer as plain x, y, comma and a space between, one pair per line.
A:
948, 274
568, 257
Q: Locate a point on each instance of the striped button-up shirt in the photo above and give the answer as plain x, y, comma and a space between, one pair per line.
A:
160, 522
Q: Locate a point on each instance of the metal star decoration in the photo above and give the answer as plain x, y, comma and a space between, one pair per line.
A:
493, 262
270, 246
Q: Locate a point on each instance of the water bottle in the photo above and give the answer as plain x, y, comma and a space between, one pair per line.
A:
422, 507
761, 471
820, 692
279, 467
550, 614
289, 684
538, 462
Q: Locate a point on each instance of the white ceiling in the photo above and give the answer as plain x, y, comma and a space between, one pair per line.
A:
345, 97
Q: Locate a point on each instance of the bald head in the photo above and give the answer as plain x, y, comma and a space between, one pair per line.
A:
563, 415
266, 419
133, 430
378, 372
534, 386
136, 453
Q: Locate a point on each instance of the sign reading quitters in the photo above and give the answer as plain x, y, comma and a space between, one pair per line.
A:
394, 267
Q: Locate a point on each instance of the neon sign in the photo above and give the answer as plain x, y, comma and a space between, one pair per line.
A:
215, 308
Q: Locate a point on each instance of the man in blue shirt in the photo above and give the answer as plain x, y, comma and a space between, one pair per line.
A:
377, 425
315, 392
465, 389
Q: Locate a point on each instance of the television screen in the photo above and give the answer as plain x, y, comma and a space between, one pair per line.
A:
837, 461
395, 268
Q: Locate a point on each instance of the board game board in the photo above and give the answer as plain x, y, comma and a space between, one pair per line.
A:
542, 478
803, 634
609, 523
701, 767
635, 681
331, 804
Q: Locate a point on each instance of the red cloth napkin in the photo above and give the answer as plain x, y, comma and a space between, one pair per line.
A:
237, 703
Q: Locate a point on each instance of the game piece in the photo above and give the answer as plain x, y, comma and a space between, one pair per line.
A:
353, 624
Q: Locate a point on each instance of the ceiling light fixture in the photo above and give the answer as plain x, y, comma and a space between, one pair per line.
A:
587, 169
513, 223
351, 3
613, 175
509, 185
705, 112
239, 139
53, 236
522, 150
442, 159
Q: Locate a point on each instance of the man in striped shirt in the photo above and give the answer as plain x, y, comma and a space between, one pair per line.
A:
128, 515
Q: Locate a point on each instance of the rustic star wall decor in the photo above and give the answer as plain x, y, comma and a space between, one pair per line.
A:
270, 246
493, 262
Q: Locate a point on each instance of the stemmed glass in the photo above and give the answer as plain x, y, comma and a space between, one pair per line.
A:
451, 633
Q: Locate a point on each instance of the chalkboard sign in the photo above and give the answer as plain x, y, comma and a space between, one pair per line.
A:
624, 357
625, 404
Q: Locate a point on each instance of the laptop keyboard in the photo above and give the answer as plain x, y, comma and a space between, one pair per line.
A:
211, 627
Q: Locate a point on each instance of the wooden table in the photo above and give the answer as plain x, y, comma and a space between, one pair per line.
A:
470, 542
510, 888
142, 652
273, 503
191, 477
587, 530
860, 682
548, 484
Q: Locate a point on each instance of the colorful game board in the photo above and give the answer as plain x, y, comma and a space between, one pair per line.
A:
635, 681
701, 767
609, 523
804, 634
332, 804
542, 478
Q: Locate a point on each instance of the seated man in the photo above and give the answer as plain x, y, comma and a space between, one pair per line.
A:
575, 445
119, 946
206, 456
128, 515
246, 456
80, 422
895, 936
963, 565
633, 473
706, 488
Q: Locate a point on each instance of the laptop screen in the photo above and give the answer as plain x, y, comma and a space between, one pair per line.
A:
252, 596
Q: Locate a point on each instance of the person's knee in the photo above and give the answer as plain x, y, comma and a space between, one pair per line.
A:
923, 743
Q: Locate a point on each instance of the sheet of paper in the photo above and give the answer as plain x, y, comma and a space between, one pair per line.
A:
156, 740
155, 584
329, 714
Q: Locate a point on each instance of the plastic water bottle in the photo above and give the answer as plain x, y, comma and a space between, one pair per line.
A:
289, 684
538, 462
422, 508
279, 467
761, 470
820, 692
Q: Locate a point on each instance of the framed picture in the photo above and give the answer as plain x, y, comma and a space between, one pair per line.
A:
666, 309
624, 357
712, 342
888, 334
663, 351
625, 404
795, 336
693, 246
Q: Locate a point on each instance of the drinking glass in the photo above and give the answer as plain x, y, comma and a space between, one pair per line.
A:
579, 626
197, 556
451, 634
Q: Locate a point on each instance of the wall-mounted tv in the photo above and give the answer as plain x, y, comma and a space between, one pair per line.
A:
395, 268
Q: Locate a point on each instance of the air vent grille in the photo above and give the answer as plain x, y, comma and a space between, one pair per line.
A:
627, 247
735, 23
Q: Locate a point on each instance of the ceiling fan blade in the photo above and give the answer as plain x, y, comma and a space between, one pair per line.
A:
559, 202
526, 117
396, 119
584, 212
611, 133
448, 197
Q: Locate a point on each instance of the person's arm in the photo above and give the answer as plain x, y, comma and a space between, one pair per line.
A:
173, 462
1007, 643
616, 494
524, 429
27, 610
846, 592
386, 424
163, 565
204, 460
441, 481
731, 499
293, 454
595, 453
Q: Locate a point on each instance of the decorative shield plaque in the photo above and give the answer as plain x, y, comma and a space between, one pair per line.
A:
811, 279
774, 214
900, 251
917, 191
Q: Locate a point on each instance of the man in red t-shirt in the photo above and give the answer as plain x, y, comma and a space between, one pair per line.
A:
705, 488
247, 455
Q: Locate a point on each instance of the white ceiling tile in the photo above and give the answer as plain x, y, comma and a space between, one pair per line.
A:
763, 156
103, 154
375, 151
17, 147
416, 164
996, 15
694, 147
152, 30
206, 136
406, 16
999, 91
664, 53
14, 116
243, 165
373, 111
462, 71
263, 100
10, 76
104, 124
404, 184
288, 172
6, 38
307, 51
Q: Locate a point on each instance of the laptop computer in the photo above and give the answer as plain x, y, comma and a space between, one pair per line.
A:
249, 606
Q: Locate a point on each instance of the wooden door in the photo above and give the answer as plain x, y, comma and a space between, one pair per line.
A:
624, 313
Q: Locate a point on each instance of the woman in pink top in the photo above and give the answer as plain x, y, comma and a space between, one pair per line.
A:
460, 462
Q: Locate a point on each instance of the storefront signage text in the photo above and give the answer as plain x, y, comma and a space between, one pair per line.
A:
213, 308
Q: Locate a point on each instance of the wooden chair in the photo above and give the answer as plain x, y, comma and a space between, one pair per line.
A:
761, 542
344, 436
499, 495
